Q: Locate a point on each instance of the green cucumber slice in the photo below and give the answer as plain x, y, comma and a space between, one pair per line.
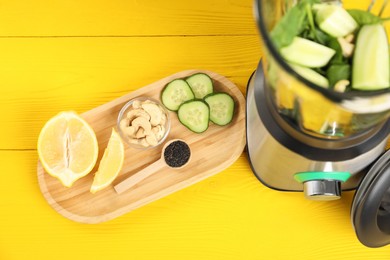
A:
194, 115
307, 53
201, 84
311, 75
221, 108
370, 70
175, 93
334, 20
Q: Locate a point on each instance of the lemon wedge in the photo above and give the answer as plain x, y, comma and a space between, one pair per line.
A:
67, 147
110, 164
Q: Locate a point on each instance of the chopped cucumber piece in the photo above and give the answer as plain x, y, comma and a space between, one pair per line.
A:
221, 108
201, 84
307, 53
370, 70
175, 93
311, 75
194, 115
335, 20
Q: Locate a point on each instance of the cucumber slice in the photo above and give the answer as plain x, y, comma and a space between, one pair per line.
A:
194, 115
335, 20
175, 93
307, 53
370, 70
201, 84
221, 108
311, 75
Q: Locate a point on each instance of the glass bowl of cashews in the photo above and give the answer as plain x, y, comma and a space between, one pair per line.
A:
143, 123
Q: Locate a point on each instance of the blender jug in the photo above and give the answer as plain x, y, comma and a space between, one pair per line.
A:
312, 109
302, 136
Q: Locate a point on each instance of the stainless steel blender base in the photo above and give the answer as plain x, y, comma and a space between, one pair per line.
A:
275, 165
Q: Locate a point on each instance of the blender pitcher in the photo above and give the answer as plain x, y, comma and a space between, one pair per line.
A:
302, 136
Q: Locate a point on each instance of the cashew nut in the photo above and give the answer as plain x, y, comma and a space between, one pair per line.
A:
140, 133
341, 85
158, 131
137, 104
140, 141
346, 47
143, 142
124, 123
151, 139
132, 114
130, 131
154, 111
163, 119
349, 38
143, 123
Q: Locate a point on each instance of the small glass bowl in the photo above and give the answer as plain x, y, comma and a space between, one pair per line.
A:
123, 115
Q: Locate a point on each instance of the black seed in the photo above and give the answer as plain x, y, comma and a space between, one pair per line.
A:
177, 154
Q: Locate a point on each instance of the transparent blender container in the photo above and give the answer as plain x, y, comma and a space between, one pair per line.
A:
306, 109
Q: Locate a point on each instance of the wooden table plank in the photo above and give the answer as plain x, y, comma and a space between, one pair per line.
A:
126, 18
41, 76
228, 216
61, 55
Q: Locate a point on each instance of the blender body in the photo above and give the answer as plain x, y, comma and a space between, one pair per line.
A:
296, 127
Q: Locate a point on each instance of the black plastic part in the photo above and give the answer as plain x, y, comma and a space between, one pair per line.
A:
370, 219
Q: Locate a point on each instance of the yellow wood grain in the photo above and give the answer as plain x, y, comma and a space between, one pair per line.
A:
228, 216
41, 76
125, 18
62, 55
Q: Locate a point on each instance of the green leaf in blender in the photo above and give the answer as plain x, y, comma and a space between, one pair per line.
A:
364, 17
307, 53
335, 20
291, 24
338, 58
370, 70
337, 72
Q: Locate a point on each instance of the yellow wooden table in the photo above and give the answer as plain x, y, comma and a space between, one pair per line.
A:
78, 54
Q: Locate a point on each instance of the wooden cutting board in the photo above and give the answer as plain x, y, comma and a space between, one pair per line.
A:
212, 151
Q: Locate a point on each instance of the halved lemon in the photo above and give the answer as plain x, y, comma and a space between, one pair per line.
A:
67, 147
110, 164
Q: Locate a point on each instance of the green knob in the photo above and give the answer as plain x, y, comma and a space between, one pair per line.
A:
316, 175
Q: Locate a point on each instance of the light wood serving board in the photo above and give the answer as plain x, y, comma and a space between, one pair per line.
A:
211, 152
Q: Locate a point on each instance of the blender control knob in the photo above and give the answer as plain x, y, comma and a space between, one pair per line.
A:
322, 189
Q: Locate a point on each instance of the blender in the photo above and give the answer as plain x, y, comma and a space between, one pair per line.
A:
303, 137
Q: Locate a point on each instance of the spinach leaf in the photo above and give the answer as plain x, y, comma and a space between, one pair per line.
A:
338, 68
291, 24
310, 19
316, 35
364, 17
337, 72
320, 71
321, 37
338, 58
